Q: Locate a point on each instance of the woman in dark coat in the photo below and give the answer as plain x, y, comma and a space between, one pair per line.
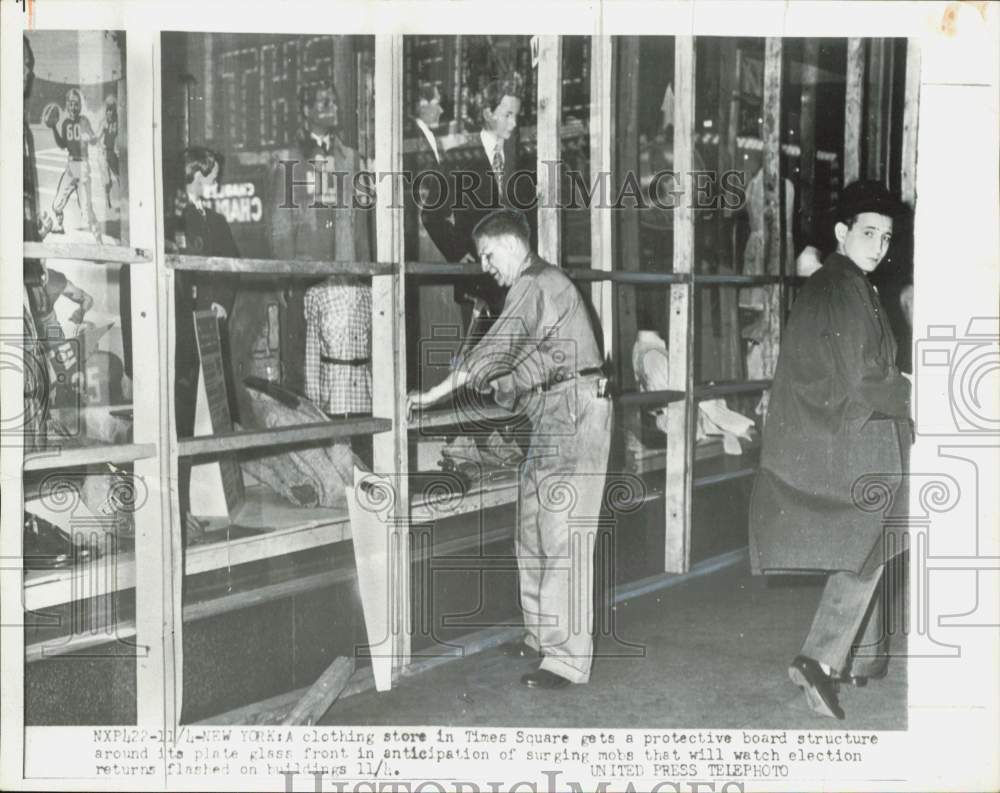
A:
835, 447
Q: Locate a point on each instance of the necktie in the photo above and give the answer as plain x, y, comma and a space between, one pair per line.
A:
498, 162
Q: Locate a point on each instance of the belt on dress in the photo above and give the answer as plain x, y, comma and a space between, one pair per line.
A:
344, 361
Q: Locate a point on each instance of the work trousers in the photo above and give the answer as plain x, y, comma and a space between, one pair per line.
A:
559, 509
848, 630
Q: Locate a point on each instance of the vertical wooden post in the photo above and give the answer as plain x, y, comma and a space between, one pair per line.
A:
807, 138
774, 215
730, 341
874, 111
602, 77
549, 147
680, 415
627, 161
911, 112
12, 333
388, 331
158, 573
853, 107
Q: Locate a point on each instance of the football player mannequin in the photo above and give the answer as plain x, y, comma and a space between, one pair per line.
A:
73, 133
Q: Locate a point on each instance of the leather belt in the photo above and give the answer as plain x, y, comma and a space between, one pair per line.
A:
344, 361
594, 370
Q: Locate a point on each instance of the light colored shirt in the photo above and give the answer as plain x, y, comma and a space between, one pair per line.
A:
490, 142
431, 138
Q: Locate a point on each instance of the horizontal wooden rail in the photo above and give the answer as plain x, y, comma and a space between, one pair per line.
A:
442, 268
699, 279
650, 398
621, 277
62, 458
295, 268
432, 419
104, 254
726, 389
725, 476
277, 436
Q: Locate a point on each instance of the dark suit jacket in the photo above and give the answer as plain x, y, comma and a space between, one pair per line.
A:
425, 173
474, 194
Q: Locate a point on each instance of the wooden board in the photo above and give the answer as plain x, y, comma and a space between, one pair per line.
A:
370, 503
853, 108
216, 487
680, 415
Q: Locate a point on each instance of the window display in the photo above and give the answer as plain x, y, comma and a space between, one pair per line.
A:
75, 192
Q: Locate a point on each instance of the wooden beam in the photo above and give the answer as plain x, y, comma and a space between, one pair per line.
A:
13, 309
299, 433
433, 419
549, 152
911, 112
602, 80
853, 108
807, 139
681, 415
624, 330
456, 270
774, 216
293, 268
101, 254
389, 335
631, 277
159, 661
875, 127
322, 694
63, 458
730, 339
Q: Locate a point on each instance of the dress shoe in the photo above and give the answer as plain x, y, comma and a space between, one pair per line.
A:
819, 688
543, 678
519, 650
860, 681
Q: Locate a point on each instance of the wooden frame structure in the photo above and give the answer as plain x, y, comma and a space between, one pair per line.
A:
158, 566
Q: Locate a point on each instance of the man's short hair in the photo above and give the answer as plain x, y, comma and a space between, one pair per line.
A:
75, 92
492, 95
503, 223
308, 93
426, 92
866, 195
201, 159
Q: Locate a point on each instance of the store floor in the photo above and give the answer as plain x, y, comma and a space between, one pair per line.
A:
709, 652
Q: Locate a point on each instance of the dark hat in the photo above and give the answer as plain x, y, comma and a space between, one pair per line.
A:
867, 196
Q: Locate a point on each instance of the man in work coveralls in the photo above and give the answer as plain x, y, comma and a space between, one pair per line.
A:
836, 443
541, 358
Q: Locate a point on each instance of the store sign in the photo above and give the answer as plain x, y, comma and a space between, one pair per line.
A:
237, 202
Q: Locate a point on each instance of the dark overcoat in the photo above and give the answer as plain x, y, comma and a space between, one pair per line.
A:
836, 434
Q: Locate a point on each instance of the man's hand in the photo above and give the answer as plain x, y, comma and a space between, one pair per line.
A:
77, 316
415, 400
219, 311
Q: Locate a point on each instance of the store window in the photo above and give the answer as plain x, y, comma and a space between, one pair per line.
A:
79, 520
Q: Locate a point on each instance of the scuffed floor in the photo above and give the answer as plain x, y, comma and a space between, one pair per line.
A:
710, 652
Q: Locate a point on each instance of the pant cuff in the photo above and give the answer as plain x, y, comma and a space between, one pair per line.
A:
560, 667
